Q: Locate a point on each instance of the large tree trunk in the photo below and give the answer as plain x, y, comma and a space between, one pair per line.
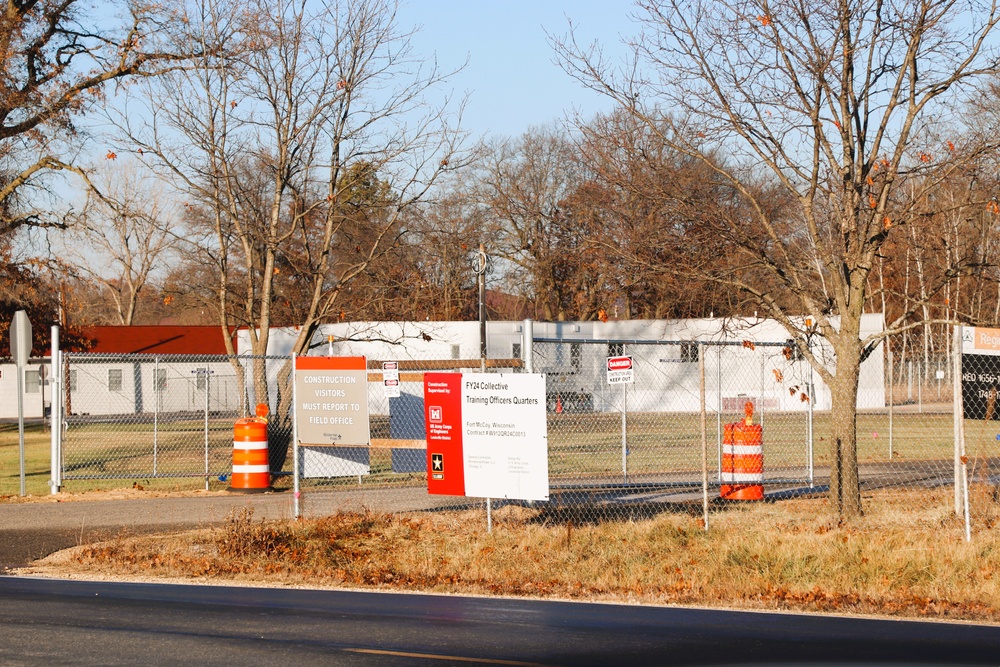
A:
281, 426
280, 430
845, 492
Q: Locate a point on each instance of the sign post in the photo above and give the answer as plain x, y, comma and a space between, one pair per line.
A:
55, 414
205, 373
978, 378
20, 349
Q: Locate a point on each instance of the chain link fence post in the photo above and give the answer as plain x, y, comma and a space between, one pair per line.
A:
703, 410
55, 415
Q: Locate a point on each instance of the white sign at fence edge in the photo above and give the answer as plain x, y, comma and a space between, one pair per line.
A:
620, 370
20, 338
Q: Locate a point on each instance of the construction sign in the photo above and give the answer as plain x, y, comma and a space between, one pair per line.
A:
980, 373
331, 406
486, 435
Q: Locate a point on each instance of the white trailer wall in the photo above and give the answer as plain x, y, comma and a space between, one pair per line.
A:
734, 372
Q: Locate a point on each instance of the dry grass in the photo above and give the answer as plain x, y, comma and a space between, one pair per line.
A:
897, 560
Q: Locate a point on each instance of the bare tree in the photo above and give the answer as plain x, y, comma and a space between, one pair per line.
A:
522, 182
123, 235
302, 105
834, 102
943, 268
58, 59
446, 233
647, 209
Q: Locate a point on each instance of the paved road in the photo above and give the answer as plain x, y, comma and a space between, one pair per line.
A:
88, 623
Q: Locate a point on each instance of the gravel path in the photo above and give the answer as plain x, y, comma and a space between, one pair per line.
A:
34, 529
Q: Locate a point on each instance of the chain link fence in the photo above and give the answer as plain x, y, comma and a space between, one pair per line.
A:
643, 442
144, 417
672, 439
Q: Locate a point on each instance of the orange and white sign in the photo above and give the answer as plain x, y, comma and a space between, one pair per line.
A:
331, 401
979, 340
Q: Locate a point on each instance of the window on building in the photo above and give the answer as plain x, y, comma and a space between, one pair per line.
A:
689, 352
115, 379
161, 379
32, 382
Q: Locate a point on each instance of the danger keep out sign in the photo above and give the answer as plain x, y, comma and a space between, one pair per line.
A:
620, 370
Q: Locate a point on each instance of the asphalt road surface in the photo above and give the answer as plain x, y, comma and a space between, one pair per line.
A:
51, 622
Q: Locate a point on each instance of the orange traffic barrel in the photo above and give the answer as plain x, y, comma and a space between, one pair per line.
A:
251, 472
742, 460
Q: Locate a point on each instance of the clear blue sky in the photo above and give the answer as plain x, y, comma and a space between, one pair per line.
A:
511, 78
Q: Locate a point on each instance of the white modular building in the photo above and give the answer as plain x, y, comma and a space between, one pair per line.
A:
745, 360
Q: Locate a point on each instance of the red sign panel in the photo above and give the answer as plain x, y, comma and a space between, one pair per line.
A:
443, 419
619, 363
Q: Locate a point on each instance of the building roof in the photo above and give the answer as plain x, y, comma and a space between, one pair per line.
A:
156, 339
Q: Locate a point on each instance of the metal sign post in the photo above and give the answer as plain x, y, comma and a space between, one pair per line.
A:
20, 349
621, 371
207, 374
296, 506
481, 265
55, 415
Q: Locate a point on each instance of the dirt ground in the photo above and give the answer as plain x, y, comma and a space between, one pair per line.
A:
33, 527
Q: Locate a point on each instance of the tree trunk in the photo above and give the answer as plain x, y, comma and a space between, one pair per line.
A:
280, 430
845, 493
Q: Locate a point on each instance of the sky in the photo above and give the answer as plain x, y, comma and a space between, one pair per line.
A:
512, 80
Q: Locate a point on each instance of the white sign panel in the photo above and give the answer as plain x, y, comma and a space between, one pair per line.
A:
505, 438
20, 338
620, 370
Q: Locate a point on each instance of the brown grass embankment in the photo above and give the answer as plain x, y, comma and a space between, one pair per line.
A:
901, 559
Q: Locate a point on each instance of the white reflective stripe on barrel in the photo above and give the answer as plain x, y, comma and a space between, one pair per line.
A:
743, 450
237, 468
249, 444
742, 476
